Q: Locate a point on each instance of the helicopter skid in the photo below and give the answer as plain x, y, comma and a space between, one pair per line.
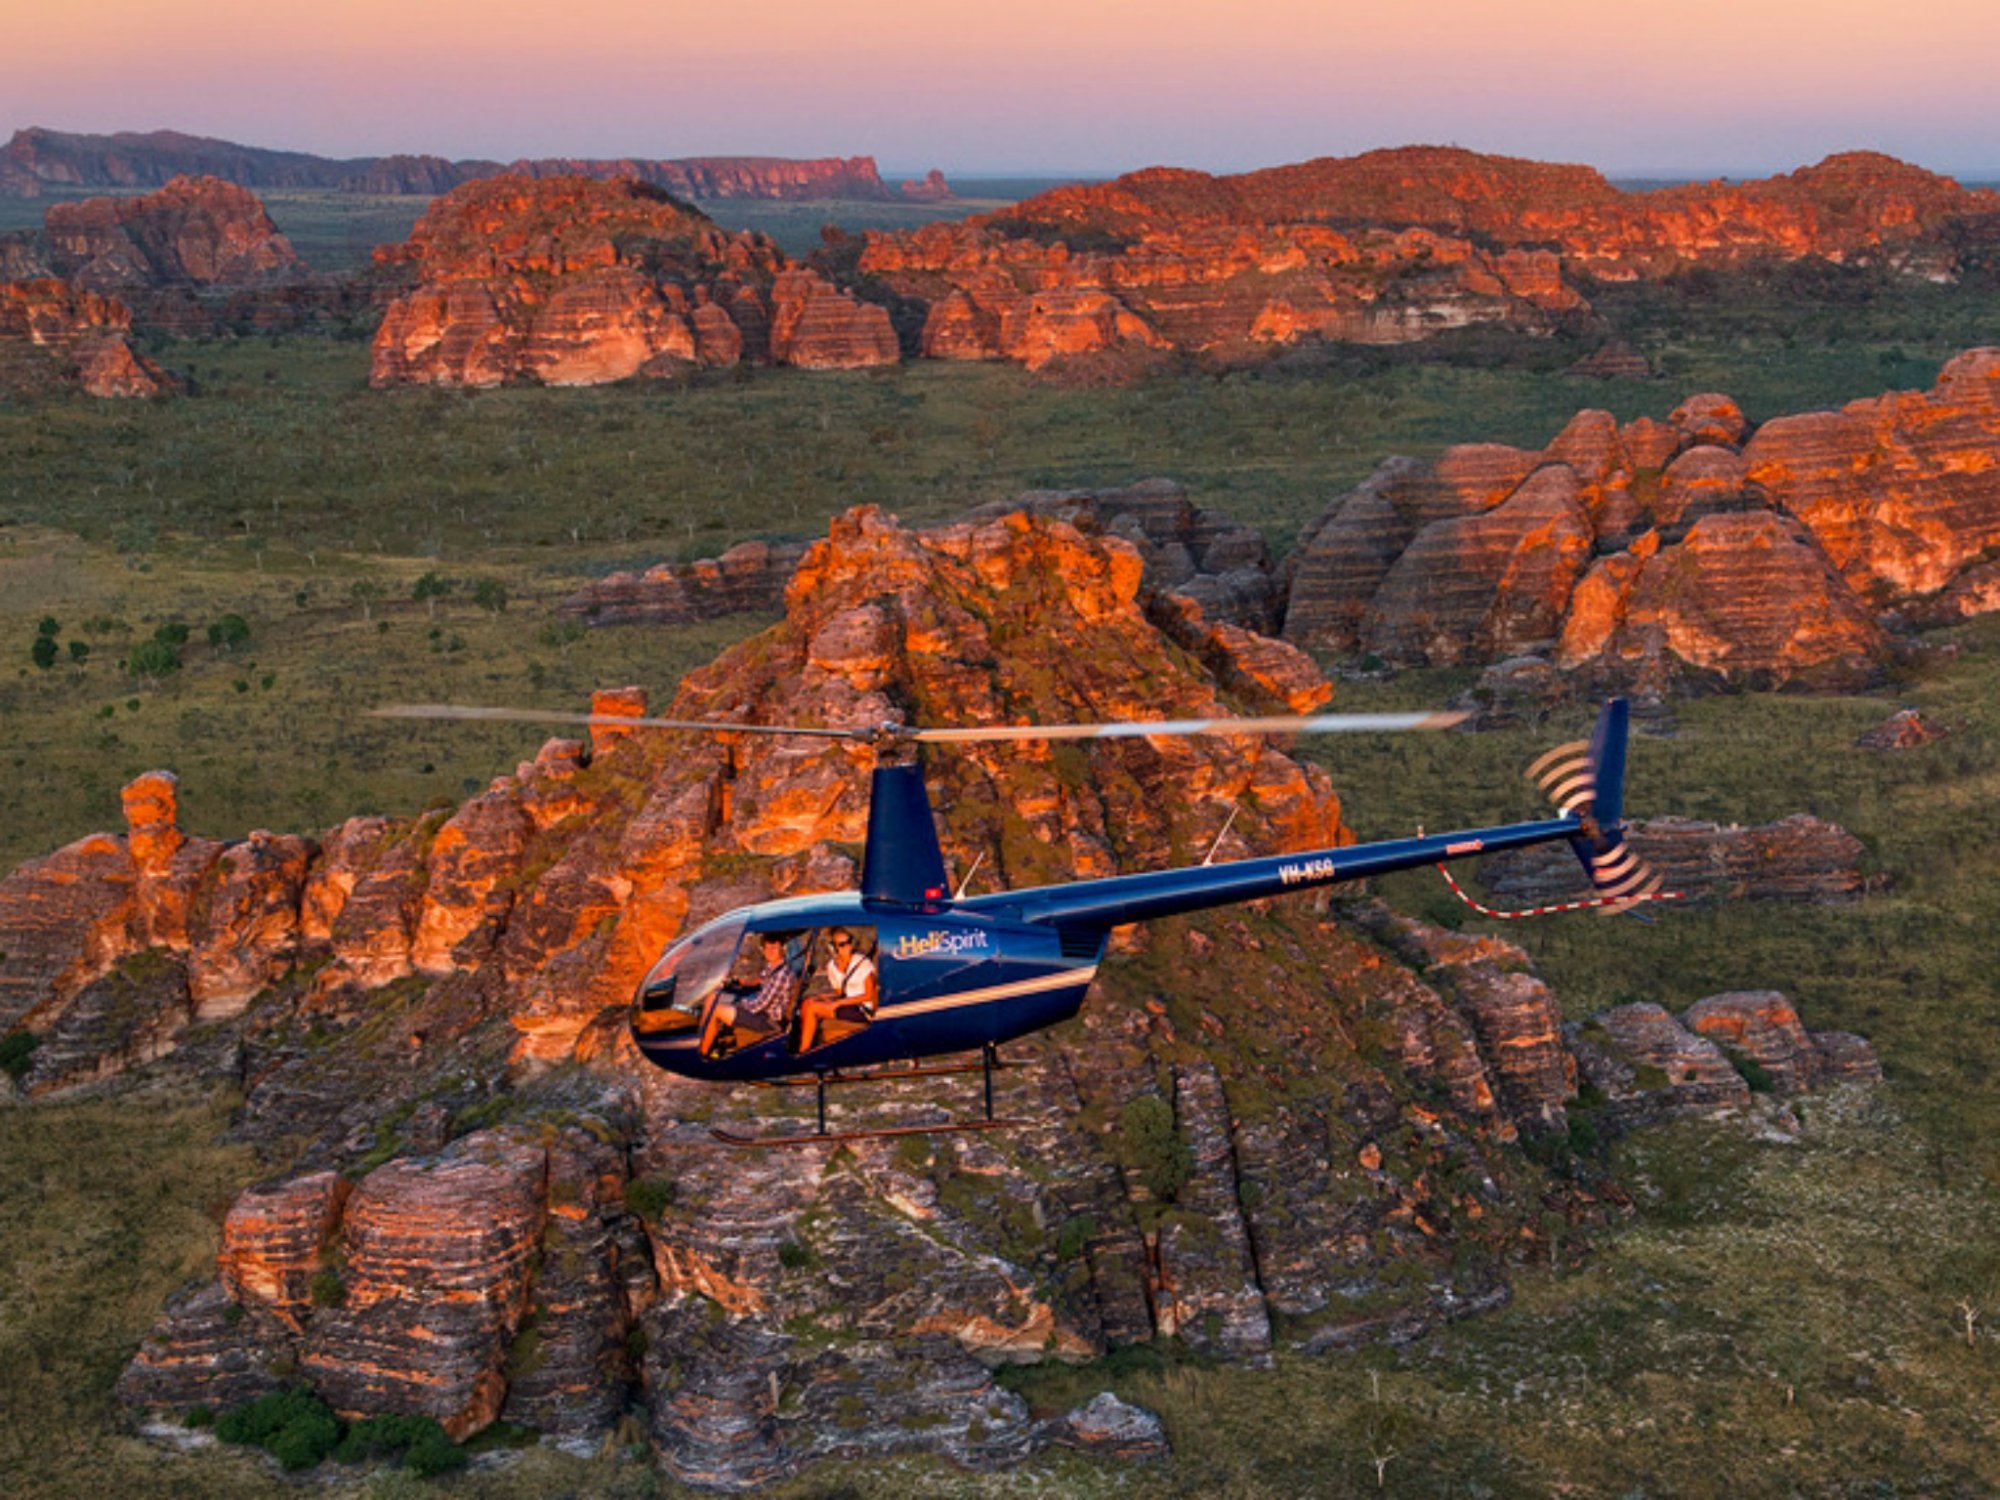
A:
837, 1137
883, 1075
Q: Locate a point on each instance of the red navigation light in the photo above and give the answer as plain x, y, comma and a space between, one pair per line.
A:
934, 893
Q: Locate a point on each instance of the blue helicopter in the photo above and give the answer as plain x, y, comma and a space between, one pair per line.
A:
864, 985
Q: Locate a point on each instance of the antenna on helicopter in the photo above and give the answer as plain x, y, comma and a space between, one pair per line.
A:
1227, 824
966, 884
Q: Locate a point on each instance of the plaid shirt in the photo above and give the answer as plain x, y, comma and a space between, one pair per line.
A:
776, 988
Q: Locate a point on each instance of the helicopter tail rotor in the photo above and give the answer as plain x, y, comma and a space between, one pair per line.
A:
1586, 778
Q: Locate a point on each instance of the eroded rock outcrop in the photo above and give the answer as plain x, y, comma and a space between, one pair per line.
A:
572, 281
1386, 247
1790, 551
1799, 858
1222, 567
54, 334
1291, 1126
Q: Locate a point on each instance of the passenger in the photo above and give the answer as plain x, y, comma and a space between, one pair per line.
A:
771, 1005
850, 974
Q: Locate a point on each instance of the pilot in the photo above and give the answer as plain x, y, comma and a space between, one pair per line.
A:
777, 986
850, 977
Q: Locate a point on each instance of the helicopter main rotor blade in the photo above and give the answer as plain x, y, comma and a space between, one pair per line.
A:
611, 721
1149, 728
1128, 729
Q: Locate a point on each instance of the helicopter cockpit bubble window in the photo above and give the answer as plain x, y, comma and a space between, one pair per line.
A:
671, 995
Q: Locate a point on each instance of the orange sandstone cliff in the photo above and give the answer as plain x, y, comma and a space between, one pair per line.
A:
1783, 551
1387, 247
54, 334
572, 281
1344, 1087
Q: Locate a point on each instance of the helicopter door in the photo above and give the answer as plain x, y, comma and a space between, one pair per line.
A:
842, 987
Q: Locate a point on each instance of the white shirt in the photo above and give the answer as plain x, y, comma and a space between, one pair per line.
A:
853, 985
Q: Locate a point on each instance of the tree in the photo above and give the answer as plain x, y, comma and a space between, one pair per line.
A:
153, 659
490, 593
365, 594
173, 633
43, 651
228, 632
50, 626
79, 652
429, 589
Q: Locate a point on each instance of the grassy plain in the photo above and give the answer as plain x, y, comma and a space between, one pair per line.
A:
1777, 1320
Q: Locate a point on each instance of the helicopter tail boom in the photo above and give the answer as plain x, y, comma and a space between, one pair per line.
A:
1588, 786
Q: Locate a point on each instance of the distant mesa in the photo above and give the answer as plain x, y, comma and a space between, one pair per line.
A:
35, 159
575, 281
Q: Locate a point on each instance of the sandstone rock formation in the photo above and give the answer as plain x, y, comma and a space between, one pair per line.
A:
1222, 567
36, 157
749, 576
1286, 1127
195, 231
1041, 291
570, 281
1905, 729
1386, 247
1799, 858
197, 257
53, 334
1651, 550
1645, 1064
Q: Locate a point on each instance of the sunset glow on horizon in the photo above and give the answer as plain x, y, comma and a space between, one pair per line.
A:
1044, 86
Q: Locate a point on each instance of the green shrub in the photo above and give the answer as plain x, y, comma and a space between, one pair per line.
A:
1152, 1146
1750, 1070
79, 652
49, 628
793, 1256
328, 1290
294, 1426
154, 658
198, 1417
1075, 1233
418, 1443
228, 632
17, 1049
490, 594
173, 633
434, 1455
43, 652
648, 1197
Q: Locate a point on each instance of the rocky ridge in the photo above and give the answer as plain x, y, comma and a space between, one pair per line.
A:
570, 281
34, 159
1386, 247
1334, 1131
1220, 567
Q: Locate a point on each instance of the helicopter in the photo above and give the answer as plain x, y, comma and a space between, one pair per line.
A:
866, 985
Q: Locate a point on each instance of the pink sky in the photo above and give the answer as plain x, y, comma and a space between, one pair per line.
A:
1734, 86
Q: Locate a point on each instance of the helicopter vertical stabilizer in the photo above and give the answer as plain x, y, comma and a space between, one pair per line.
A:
1616, 872
902, 862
